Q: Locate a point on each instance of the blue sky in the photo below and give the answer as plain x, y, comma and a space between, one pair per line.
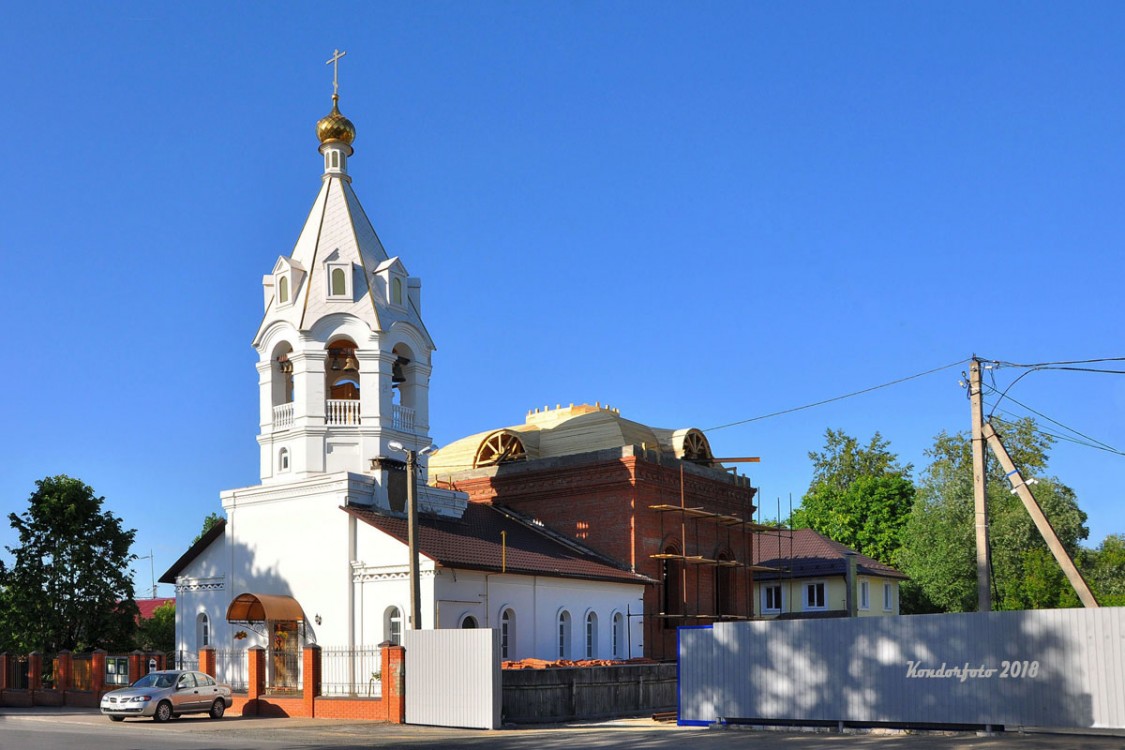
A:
696, 212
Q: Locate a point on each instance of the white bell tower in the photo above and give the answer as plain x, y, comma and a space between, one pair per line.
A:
343, 354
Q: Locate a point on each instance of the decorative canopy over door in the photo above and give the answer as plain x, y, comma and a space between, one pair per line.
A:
265, 607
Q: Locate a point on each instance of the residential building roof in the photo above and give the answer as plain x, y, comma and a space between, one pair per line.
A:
803, 553
148, 606
474, 542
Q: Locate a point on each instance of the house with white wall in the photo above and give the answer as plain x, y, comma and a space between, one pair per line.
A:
807, 576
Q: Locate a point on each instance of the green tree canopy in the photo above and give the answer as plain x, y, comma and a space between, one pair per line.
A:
158, 633
1104, 569
208, 523
69, 585
860, 495
939, 543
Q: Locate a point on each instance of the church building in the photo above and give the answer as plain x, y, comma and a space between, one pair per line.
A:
317, 552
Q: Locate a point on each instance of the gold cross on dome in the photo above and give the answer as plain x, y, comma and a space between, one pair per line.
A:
335, 63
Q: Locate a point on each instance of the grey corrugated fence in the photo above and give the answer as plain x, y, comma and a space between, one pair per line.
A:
1047, 668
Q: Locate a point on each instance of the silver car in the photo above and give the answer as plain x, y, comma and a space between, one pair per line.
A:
167, 694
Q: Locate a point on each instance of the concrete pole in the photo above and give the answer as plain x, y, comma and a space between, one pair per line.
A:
412, 540
980, 497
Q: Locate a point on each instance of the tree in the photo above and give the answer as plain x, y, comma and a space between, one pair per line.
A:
939, 542
69, 585
860, 496
1104, 570
158, 633
208, 523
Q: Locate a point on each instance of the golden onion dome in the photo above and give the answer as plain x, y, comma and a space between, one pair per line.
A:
334, 126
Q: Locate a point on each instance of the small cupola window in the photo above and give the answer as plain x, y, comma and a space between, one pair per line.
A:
339, 281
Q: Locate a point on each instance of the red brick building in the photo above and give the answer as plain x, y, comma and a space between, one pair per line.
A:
652, 501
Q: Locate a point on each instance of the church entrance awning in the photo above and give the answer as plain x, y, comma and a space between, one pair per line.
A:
265, 607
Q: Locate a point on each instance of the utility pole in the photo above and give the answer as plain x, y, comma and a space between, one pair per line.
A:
980, 497
412, 527
412, 540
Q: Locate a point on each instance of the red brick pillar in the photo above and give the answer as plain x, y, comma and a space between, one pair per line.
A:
136, 666
65, 672
256, 678
5, 665
97, 666
207, 660
393, 660
159, 661
310, 685
35, 671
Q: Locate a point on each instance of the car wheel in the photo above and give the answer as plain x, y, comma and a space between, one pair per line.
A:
117, 718
163, 712
218, 708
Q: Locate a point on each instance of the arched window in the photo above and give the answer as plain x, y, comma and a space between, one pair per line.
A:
283, 459
564, 635
671, 585
618, 634
507, 634
468, 623
335, 159
339, 282
392, 625
724, 586
202, 630
396, 291
283, 289
591, 635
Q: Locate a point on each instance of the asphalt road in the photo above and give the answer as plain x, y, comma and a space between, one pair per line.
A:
77, 729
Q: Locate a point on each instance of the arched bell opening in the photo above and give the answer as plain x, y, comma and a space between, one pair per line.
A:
404, 377
341, 383
281, 374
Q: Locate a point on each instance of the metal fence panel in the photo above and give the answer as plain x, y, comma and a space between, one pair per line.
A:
453, 678
355, 672
1062, 668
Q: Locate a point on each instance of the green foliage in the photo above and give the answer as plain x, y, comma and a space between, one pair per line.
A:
69, 585
1104, 569
208, 522
158, 633
860, 496
939, 542
843, 460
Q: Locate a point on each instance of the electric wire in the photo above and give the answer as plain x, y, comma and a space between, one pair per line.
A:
836, 398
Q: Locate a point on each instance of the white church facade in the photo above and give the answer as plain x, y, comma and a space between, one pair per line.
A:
317, 552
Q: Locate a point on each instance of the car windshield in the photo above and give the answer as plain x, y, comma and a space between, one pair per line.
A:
156, 679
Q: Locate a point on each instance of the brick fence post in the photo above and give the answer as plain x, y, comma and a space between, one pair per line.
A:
393, 660
64, 674
256, 678
5, 666
310, 685
35, 671
136, 666
97, 669
207, 660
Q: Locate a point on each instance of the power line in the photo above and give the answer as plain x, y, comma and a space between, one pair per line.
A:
1061, 362
1092, 441
837, 398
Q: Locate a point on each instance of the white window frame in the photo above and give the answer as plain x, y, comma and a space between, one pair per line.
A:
202, 630
329, 268
591, 635
809, 586
864, 595
283, 460
392, 624
507, 632
288, 279
888, 597
766, 588
618, 621
563, 622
